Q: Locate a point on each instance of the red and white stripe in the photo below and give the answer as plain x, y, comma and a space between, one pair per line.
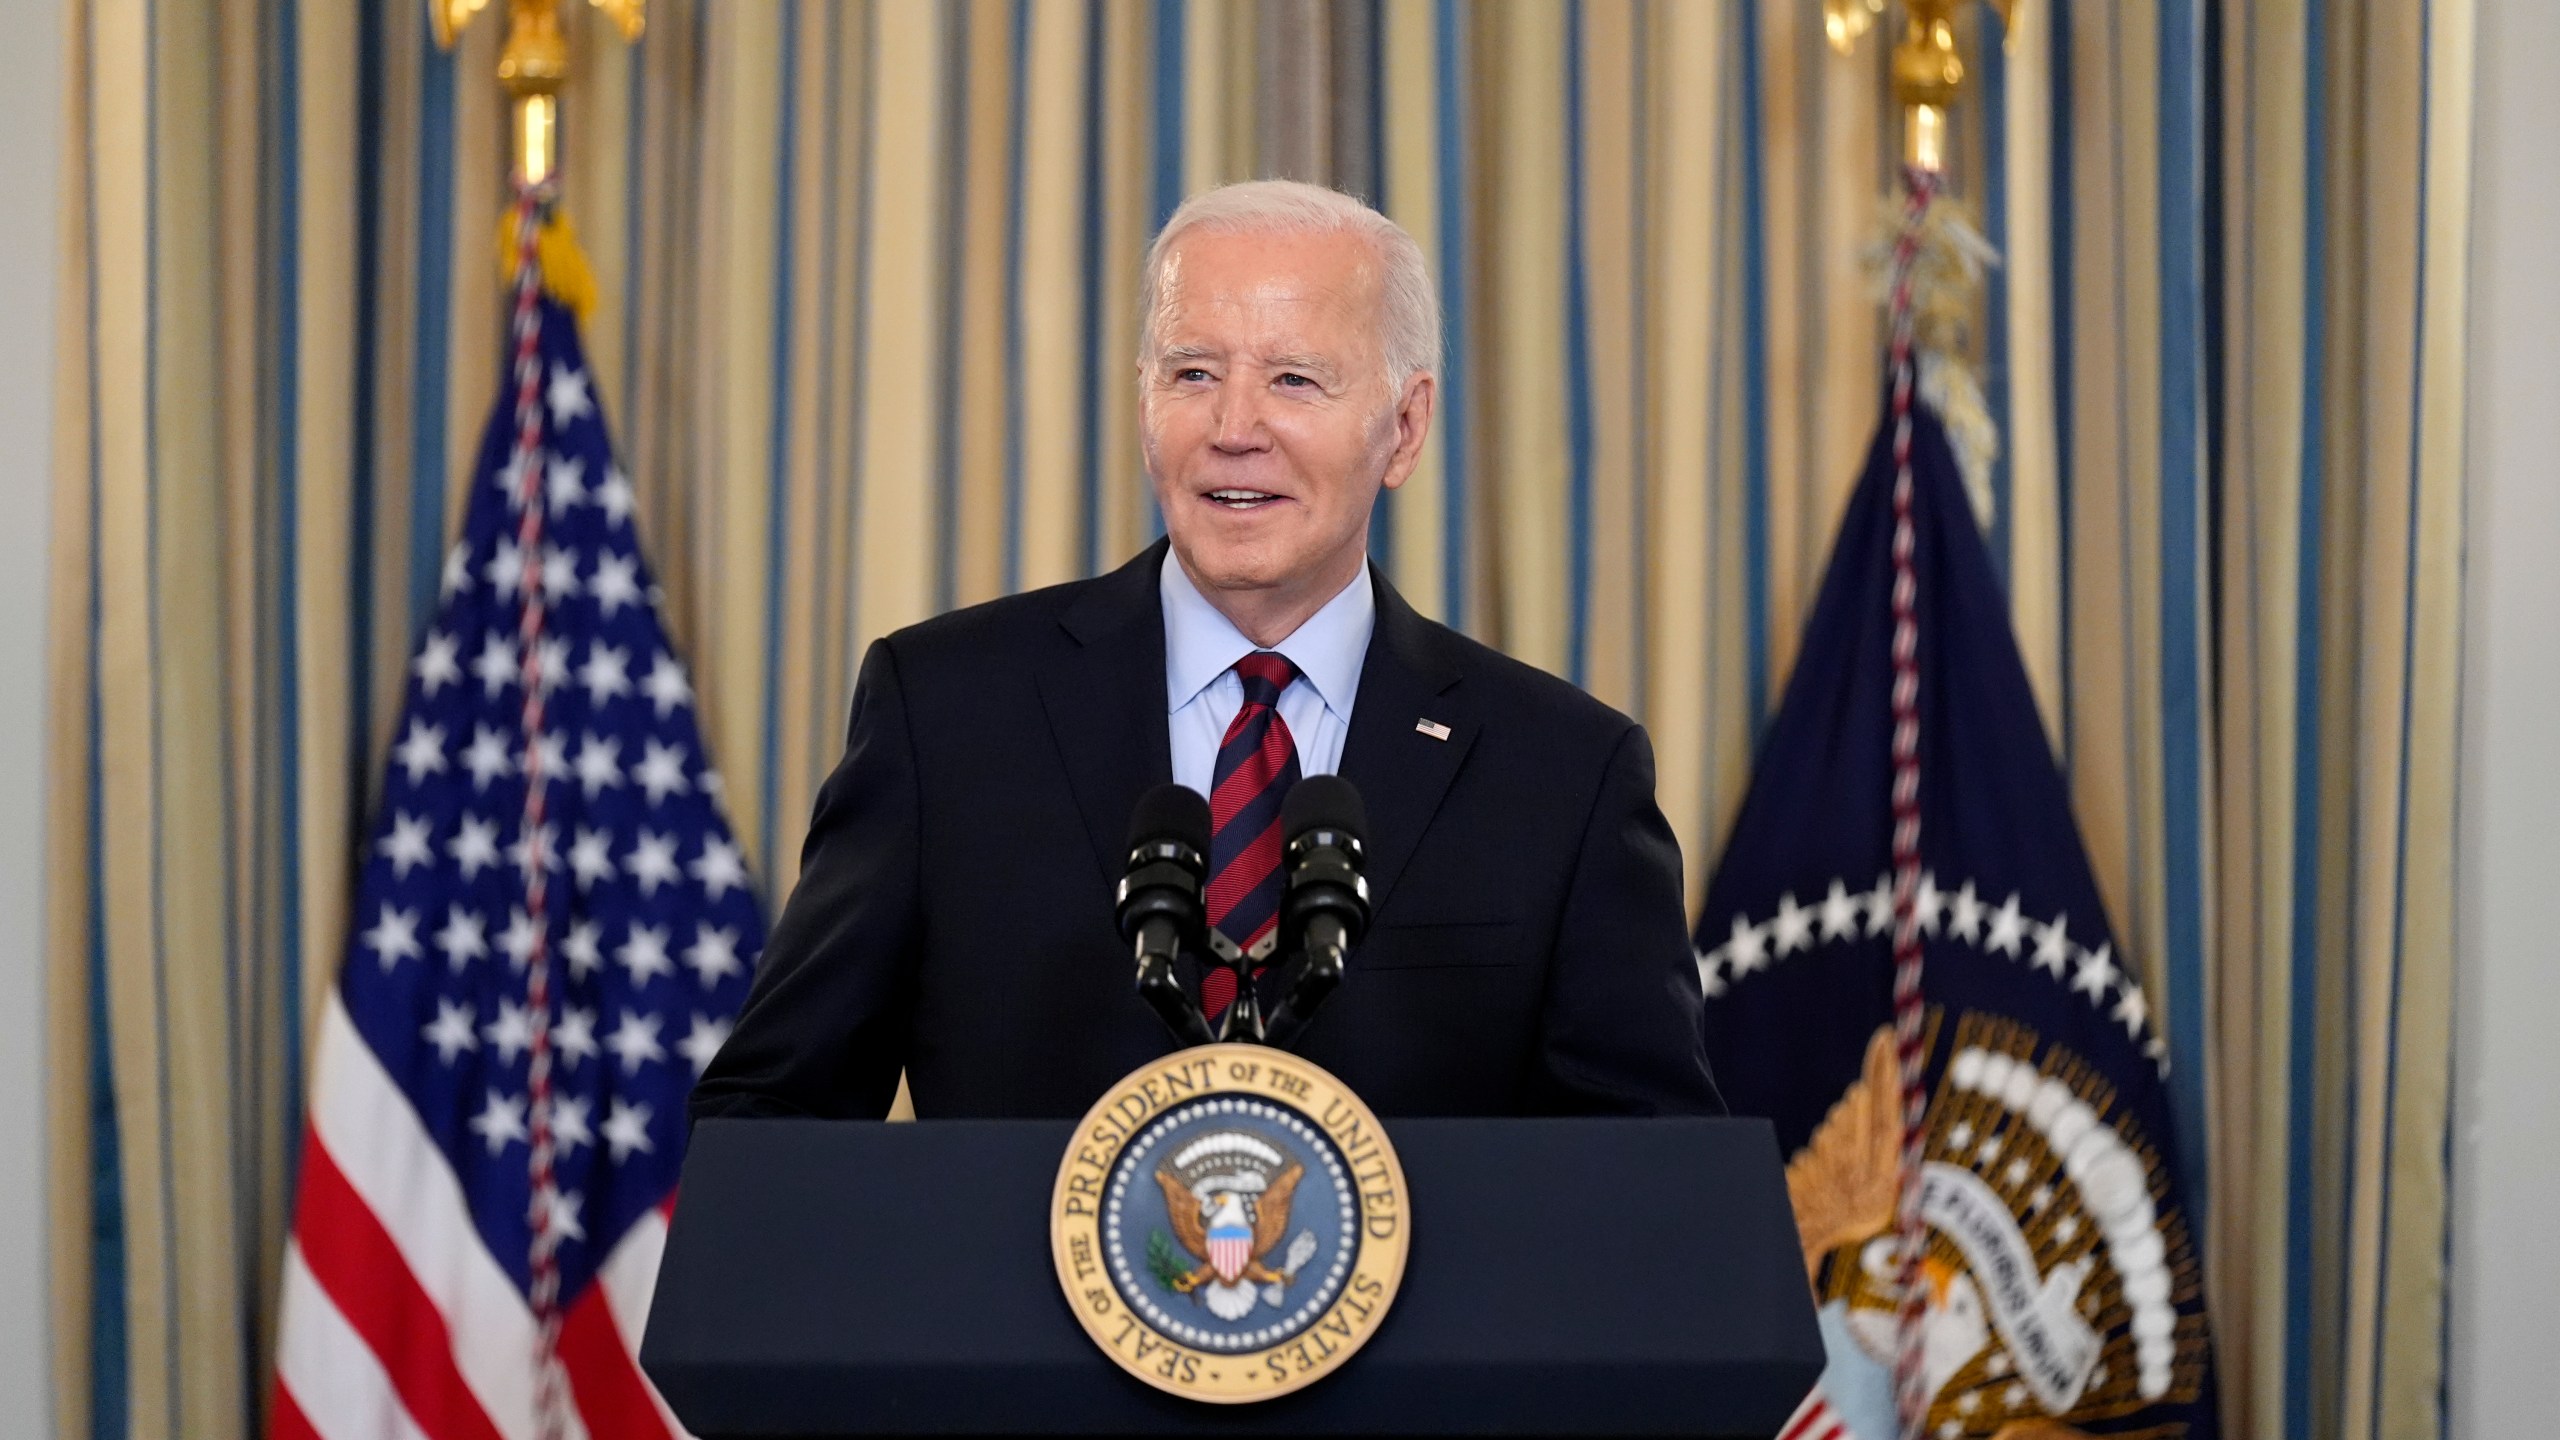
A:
398, 1322
1910, 1379
1228, 1256
1816, 1420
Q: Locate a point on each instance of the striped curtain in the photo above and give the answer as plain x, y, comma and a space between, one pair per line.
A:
867, 335
2346, 174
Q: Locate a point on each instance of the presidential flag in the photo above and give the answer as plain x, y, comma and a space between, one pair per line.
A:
2056, 1288
554, 928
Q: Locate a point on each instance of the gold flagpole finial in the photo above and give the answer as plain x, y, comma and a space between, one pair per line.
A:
1928, 71
532, 66
1928, 74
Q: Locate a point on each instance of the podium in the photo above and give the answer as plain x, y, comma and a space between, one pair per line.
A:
1586, 1276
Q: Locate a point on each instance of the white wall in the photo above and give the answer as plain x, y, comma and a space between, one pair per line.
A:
30, 139
2506, 1158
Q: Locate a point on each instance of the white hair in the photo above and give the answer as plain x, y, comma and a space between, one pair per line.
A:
1409, 317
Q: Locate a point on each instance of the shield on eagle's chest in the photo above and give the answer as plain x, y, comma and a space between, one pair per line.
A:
1230, 1246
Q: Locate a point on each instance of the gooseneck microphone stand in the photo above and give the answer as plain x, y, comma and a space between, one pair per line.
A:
1243, 1021
1324, 910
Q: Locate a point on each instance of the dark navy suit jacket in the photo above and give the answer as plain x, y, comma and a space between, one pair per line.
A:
1528, 952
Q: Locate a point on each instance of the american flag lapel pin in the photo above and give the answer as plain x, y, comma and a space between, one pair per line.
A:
1432, 728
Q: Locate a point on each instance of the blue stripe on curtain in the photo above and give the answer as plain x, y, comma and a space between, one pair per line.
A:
2212, 117
363, 484
831, 389
1172, 17
1089, 235
778, 432
240, 976
109, 1365
284, 160
432, 335
2181, 660
2304, 997
1755, 366
1371, 79
1448, 22
2065, 314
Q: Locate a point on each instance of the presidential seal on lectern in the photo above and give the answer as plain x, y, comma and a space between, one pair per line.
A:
1230, 1223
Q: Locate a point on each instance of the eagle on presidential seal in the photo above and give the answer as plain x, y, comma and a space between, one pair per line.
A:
1227, 1195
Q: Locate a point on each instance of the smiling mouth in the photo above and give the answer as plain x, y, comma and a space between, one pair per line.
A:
1241, 499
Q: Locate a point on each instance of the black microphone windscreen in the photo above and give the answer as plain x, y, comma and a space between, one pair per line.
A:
1326, 802
1171, 812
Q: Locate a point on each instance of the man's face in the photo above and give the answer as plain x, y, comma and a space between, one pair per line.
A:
1268, 416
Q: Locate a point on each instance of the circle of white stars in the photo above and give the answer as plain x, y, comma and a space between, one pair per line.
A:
1844, 916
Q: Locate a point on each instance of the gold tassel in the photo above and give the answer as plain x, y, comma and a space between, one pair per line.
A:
1946, 274
565, 276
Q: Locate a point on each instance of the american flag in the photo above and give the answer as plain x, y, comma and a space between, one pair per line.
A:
554, 927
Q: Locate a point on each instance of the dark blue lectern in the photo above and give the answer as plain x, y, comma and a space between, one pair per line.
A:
1567, 1277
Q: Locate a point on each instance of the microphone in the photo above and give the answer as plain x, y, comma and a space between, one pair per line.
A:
1326, 905
1159, 901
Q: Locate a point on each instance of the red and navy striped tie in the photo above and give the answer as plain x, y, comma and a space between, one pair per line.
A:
1257, 763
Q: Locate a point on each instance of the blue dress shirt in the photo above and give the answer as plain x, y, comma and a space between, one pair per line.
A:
1202, 693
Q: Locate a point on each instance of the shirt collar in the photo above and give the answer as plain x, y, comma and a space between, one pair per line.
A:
1200, 644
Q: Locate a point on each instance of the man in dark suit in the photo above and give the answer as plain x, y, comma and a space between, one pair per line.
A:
1528, 952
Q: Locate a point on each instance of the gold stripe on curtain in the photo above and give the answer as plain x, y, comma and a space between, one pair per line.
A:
1122, 504
1411, 192
1684, 49
2031, 439
1520, 321
78, 1135
897, 528
1605, 365
1048, 286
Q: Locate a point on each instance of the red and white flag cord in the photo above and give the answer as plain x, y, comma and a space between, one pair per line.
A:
1910, 1377
525, 465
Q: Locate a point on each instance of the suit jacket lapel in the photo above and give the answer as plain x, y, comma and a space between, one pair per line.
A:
1105, 701
1409, 676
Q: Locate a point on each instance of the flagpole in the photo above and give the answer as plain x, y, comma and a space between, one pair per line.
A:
1910, 1010
533, 64
1928, 76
